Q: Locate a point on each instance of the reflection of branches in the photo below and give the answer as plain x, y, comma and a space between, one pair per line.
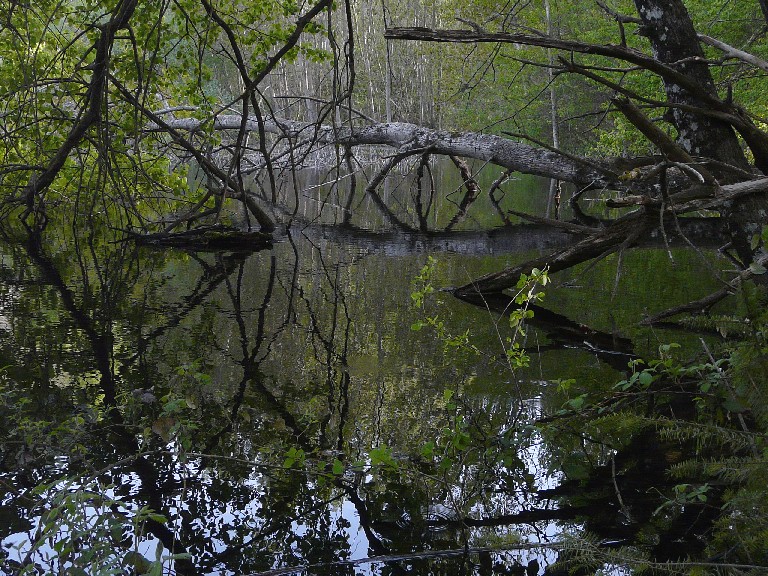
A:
364, 515
331, 357
101, 346
471, 194
422, 212
250, 352
100, 342
391, 559
370, 190
614, 350
209, 280
503, 177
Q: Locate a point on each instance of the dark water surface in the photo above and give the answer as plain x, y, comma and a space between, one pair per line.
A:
279, 411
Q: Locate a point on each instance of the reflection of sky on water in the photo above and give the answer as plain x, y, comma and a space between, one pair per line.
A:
358, 544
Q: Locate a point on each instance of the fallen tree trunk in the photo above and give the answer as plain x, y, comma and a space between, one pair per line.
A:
622, 233
404, 137
208, 238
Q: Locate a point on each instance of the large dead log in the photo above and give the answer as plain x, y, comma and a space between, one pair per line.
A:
208, 238
623, 233
405, 137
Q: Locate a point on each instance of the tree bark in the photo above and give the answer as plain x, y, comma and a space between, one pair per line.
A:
764, 9
668, 26
675, 43
514, 156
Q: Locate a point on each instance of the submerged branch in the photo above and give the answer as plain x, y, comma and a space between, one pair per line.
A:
703, 304
622, 233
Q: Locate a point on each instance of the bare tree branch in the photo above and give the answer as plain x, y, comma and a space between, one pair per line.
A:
732, 52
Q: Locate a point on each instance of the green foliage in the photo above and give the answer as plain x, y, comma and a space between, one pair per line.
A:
685, 494
381, 457
527, 293
724, 441
82, 525
422, 290
295, 457
115, 171
85, 529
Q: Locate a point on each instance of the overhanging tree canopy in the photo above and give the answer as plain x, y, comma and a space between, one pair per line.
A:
111, 105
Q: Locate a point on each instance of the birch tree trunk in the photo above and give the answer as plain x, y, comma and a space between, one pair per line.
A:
553, 184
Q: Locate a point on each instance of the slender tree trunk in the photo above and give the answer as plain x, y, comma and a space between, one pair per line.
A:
387, 69
554, 186
388, 84
764, 8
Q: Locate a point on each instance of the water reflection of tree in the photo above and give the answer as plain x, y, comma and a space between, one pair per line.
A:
100, 339
127, 359
266, 341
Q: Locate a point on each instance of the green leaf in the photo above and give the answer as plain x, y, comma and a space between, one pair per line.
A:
381, 456
577, 403
575, 470
428, 450
137, 561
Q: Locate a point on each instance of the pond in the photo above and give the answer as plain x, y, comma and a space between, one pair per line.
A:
276, 412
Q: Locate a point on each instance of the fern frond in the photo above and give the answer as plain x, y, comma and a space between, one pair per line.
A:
687, 469
705, 434
735, 470
731, 326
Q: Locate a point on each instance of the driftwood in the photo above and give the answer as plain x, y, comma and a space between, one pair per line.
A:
208, 238
624, 232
